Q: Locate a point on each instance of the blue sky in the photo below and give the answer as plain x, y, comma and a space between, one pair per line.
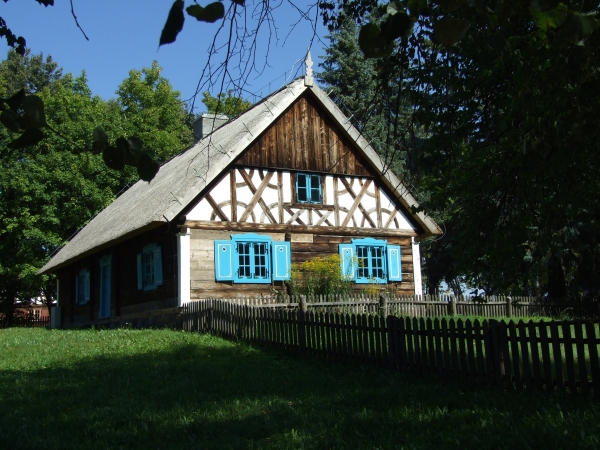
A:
124, 35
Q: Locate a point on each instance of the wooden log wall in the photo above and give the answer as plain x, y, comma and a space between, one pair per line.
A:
533, 356
304, 247
125, 296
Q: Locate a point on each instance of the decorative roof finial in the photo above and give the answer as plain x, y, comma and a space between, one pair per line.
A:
308, 78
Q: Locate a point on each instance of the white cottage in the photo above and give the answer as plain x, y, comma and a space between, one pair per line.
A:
289, 180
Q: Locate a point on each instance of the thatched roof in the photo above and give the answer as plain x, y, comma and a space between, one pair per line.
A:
182, 179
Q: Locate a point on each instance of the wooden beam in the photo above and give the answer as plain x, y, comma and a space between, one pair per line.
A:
323, 218
289, 228
295, 216
336, 203
233, 194
361, 208
392, 215
357, 200
280, 195
256, 198
378, 206
366, 216
216, 208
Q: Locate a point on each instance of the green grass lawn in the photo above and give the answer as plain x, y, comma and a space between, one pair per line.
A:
160, 389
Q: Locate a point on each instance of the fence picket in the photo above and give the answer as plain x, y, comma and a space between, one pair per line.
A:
463, 372
454, 351
514, 353
430, 346
417, 345
471, 371
535, 356
347, 337
496, 354
548, 380
323, 333
489, 354
330, 339
401, 343
525, 358
439, 362
557, 357
335, 337
356, 339
583, 379
423, 345
410, 359
507, 363
446, 349
569, 360
593, 342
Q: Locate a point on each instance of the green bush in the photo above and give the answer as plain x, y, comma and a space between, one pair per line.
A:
319, 276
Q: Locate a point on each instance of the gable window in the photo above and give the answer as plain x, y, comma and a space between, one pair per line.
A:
105, 286
252, 258
370, 261
149, 267
308, 188
82, 287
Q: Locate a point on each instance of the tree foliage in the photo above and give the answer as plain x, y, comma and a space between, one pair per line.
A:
50, 190
505, 95
228, 104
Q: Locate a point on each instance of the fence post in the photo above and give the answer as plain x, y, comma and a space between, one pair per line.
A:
509, 306
302, 310
497, 355
383, 305
452, 307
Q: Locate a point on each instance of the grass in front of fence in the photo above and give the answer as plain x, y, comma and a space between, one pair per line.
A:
169, 389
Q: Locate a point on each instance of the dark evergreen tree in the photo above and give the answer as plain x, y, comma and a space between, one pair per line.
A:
352, 83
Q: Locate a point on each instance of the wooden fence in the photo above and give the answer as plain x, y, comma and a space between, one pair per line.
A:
26, 321
533, 356
437, 306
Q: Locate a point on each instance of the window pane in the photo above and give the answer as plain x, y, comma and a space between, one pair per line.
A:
377, 262
244, 269
148, 268
362, 254
260, 260
302, 191
315, 188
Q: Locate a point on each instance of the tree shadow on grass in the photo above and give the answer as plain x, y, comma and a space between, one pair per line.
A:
214, 394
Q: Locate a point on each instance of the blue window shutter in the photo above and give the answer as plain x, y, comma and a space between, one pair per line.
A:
139, 272
394, 263
158, 273
224, 263
347, 261
87, 286
282, 261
